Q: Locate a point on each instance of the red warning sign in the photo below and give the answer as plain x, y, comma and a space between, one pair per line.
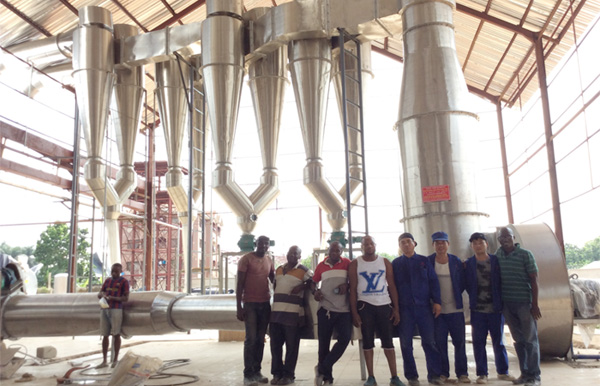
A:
436, 193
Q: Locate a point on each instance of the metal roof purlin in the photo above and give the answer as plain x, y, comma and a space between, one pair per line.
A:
168, 6
552, 44
126, 12
70, 6
26, 18
180, 15
496, 21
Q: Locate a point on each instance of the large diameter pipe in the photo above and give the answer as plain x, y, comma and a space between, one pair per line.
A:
310, 69
146, 313
436, 130
45, 52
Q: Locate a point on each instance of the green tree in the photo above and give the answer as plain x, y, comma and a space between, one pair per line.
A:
16, 251
578, 257
387, 256
52, 249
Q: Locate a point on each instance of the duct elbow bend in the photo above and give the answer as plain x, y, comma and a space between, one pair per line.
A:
267, 191
314, 179
126, 182
94, 173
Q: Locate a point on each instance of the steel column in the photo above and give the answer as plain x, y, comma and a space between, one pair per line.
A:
507, 191
541, 69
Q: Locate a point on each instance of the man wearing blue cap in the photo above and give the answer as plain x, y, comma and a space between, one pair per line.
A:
418, 288
450, 273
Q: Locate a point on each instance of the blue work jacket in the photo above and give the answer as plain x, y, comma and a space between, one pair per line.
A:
457, 276
471, 282
416, 281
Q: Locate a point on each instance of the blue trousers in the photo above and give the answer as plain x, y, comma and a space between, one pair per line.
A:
421, 317
290, 336
256, 322
523, 329
454, 325
341, 323
481, 324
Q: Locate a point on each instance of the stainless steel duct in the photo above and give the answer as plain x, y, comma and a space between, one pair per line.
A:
93, 64
126, 108
45, 52
353, 112
310, 69
223, 71
267, 84
436, 130
172, 103
60, 72
171, 82
146, 313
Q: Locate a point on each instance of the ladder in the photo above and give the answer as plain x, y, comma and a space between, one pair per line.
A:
352, 103
197, 145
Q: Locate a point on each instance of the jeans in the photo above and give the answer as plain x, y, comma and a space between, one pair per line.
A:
256, 322
422, 317
481, 324
523, 329
453, 324
290, 336
329, 321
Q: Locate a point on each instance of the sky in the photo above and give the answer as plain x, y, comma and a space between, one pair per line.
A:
294, 218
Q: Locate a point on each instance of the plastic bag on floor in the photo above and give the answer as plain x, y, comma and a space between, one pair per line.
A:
133, 370
587, 333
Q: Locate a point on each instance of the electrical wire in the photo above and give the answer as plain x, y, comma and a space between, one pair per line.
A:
170, 364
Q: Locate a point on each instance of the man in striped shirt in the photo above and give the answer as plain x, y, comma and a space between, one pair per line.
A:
287, 316
518, 272
115, 291
334, 311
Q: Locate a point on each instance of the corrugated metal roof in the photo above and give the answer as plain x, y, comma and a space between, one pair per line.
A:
493, 38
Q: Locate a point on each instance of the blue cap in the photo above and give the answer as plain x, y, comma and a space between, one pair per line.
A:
439, 236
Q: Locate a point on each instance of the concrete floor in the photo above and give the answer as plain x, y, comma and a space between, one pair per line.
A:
220, 363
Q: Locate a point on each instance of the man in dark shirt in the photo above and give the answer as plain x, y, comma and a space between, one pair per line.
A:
418, 288
115, 292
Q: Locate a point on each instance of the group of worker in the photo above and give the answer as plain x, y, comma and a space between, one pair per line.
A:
382, 297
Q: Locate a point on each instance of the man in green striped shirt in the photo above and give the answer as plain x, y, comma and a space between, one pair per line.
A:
518, 272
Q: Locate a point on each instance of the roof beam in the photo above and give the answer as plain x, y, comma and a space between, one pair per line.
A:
168, 6
126, 12
529, 35
36, 174
180, 15
70, 6
32, 23
385, 52
483, 94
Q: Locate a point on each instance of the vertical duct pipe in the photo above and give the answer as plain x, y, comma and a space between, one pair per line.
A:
267, 85
436, 129
93, 63
172, 103
126, 107
223, 71
352, 94
310, 69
